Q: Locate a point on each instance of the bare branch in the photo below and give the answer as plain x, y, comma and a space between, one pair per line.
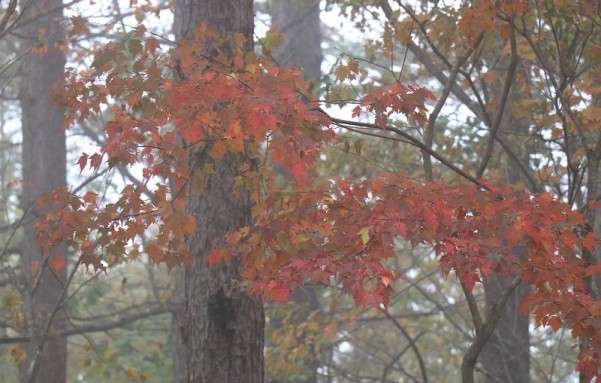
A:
471, 356
120, 322
411, 341
504, 97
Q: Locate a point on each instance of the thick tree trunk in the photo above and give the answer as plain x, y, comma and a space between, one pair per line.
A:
223, 328
44, 169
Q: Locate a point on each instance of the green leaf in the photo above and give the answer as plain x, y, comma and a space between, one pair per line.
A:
364, 233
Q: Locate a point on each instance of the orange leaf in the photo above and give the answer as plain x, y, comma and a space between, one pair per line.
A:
82, 162
555, 323
189, 224
386, 281
57, 264
80, 26
592, 269
95, 160
218, 255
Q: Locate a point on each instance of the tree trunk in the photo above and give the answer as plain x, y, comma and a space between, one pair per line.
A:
506, 356
44, 170
298, 21
223, 328
300, 25
178, 347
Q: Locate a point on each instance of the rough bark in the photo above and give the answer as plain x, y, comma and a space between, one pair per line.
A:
223, 328
44, 169
299, 23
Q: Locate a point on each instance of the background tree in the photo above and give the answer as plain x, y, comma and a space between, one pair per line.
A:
44, 170
28, 26
298, 22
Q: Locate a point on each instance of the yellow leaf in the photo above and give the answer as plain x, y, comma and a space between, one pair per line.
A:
17, 321
17, 354
272, 40
341, 72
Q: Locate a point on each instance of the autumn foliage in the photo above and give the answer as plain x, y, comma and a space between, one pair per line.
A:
332, 231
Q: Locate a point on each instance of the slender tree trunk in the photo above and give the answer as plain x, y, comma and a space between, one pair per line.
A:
178, 347
298, 21
44, 170
223, 329
300, 25
506, 356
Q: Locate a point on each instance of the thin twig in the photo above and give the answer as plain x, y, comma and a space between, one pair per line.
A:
501, 110
412, 343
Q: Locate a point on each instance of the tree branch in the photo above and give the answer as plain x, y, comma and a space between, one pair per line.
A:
446, 91
413, 141
411, 341
98, 327
471, 356
504, 97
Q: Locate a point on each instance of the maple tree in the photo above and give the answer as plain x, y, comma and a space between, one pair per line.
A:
515, 129
37, 299
333, 231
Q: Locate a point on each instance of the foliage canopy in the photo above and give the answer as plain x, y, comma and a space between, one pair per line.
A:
334, 231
